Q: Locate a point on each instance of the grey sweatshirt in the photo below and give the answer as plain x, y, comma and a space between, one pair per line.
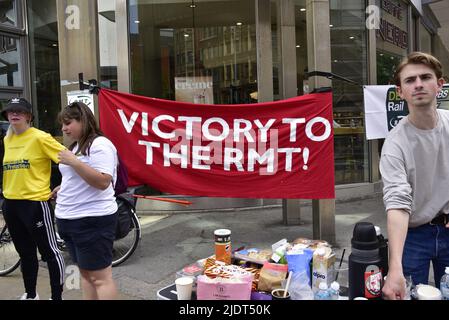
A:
415, 170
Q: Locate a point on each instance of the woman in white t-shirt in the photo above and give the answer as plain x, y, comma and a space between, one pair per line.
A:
85, 203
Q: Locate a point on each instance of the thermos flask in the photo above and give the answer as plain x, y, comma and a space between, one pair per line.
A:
365, 268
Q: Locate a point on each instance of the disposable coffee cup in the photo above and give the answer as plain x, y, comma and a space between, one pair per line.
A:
278, 294
184, 288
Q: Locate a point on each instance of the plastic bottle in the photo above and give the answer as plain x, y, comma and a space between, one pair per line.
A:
365, 270
279, 255
322, 293
383, 250
444, 284
334, 291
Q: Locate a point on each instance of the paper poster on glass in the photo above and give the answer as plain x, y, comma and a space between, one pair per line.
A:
194, 90
81, 96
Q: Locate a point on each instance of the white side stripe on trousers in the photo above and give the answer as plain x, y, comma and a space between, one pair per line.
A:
52, 239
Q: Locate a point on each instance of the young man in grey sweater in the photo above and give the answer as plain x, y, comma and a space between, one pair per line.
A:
415, 171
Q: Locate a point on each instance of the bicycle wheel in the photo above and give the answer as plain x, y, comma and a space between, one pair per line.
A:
124, 247
9, 258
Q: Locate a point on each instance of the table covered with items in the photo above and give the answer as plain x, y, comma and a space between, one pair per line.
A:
302, 269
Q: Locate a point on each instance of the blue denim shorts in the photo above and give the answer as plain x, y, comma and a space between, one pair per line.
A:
89, 240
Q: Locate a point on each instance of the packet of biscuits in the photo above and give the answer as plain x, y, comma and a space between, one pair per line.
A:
309, 244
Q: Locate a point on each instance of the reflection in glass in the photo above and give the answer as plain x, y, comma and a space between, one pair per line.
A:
10, 68
349, 59
44, 63
8, 12
301, 47
386, 65
203, 53
107, 43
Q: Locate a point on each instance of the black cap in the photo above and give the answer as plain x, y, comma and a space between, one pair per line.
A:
364, 236
17, 104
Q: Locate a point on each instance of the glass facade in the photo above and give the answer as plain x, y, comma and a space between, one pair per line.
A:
8, 13
107, 44
386, 65
349, 60
44, 64
205, 51
10, 62
185, 51
11, 46
301, 46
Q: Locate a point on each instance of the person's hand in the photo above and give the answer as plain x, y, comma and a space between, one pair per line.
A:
54, 193
394, 287
67, 157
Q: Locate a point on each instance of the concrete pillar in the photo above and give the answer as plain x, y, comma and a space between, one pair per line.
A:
78, 44
319, 59
291, 208
287, 48
123, 62
264, 53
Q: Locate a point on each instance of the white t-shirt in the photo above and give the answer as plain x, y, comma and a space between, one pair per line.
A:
76, 198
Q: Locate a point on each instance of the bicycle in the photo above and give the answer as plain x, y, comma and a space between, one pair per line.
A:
123, 247
9, 258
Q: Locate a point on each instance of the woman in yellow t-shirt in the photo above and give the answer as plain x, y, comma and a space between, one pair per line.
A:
26, 188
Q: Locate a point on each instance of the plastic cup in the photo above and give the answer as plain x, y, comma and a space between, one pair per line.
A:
341, 275
184, 288
278, 294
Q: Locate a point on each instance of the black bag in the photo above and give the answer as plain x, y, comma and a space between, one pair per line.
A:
125, 212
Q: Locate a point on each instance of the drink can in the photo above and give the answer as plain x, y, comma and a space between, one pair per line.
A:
223, 245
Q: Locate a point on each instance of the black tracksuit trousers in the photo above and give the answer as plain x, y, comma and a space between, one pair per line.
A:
31, 226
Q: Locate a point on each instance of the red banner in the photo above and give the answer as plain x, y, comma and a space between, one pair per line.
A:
282, 149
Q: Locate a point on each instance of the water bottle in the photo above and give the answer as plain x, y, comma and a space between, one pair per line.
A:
444, 284
383, 250
322, 293
334, 291
365, 267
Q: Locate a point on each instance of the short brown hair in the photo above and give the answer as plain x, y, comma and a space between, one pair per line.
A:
418, 58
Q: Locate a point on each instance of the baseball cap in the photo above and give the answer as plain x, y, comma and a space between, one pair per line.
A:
17, 104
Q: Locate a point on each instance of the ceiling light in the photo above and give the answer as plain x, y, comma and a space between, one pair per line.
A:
239, 23
351, 37
298, 46
136, 21
192, 6
302, 9
331, 25
186, 35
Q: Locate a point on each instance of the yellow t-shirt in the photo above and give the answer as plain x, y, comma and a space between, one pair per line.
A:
27, 165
